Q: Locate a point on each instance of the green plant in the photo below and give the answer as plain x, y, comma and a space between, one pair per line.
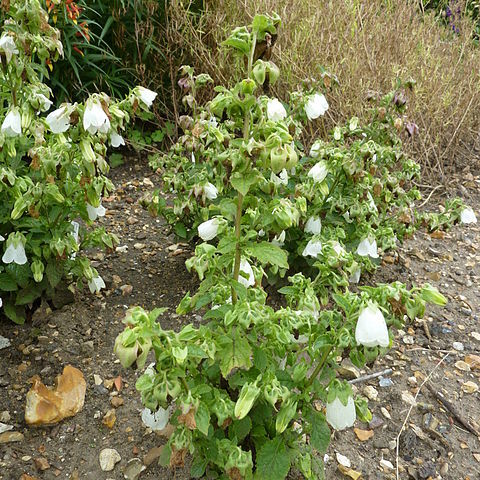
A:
53, 168
245, 390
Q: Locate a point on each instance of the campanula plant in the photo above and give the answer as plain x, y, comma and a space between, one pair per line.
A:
53, 167
252, 391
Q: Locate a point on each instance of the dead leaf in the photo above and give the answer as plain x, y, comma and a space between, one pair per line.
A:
110, 418
363, 435
118, 383
473, 361
440, 234
47, 406
349, 472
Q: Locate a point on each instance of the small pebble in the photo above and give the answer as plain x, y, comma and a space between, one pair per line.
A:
458, 346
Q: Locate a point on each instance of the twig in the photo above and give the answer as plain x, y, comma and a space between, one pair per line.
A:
453, 410
430, 196
397, 440
385, 372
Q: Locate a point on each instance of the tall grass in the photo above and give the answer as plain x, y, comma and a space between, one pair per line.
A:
367, 44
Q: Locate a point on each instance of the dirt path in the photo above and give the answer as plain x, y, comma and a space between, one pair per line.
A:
151, 274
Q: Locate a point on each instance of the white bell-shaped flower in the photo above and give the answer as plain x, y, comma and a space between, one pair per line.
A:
95, 212
341, 416
318, 172
15, 253
280, 179
338, 249
279, 240
59, 120
146, 96
12, 125
211, 191
467, 215
246, 278
44, 103
316, 106
312, 249
96, 284
156, 420
275, 110
313, 225
355, 276
208, 230
94, 118
315, 149
8, 46
116, 140
371, 330
367, 247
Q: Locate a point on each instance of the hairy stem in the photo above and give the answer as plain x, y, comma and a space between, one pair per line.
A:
319, 366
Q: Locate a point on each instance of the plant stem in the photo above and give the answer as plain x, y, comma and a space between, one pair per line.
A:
238, 215
319, 366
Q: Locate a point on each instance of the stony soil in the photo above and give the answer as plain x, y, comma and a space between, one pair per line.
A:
152, 273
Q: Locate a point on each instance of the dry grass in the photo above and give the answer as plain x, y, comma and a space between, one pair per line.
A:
367, 44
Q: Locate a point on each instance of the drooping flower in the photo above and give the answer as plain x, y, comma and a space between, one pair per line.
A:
315, 148
44, 103
116, 140
313, 225
279, 239
316, 106
339, 250
211, 191
94, 118
95, 212
12, 125
96, 284
367, 247
146, 96
318, 172
275, 110
59, 120
371, 330
280, 179
248, 278
208, 230
8, 46
355, 276
312, 249
15, 251
341, 416
156, 420
467, 215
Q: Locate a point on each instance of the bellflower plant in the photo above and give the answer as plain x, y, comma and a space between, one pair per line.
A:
53, 166
248, 389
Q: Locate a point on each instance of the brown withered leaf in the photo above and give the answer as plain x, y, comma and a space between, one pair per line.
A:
349, 472
397, 307
177, 457
363, 435
188, 419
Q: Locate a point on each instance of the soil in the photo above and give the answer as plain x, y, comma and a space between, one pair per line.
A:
151, 273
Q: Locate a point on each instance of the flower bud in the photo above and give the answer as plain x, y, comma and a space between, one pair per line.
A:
246, 399
431, 295
278, 159
37, 270
286, 413
292, 157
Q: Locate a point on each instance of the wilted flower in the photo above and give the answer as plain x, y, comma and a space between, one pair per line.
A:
44, 103
318, 172
316, 106
211, 191
156, 420
355, 276
208, 230
275, 110
313, 248
94, 118
146, 96
94, 212
339, 250
371, 329
279, 240
412, 128
368, 248
313, 225
96, 284
341, 416
12, 125
248, 278
15, 251
467, 215
315, 148
7, 45
280, 179
116, 140
59, 120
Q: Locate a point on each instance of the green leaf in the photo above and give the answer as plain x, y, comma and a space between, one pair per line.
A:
180, 230
27, 295
16, 314
273, 460
242, 182
267, 253
7, 283
116, 159
54, 274
320, 434
199, 465
241, 428
202, 418
234, 353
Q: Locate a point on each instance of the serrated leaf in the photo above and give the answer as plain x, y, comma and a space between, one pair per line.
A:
241, 428
234, 353
27, 295
54, 274
268, 253
202, 418
7, 283
242, 182
16, 314
320, 434
273, 460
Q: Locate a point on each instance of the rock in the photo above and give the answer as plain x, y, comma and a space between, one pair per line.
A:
473, 361
126, 290
386, 464
133, 469
5, 428
4, 416
4, 342
110, 418
62, 296
8, 437
108, 458
371, 392
363, 435
97, 379
343, 460
458, 346
385, 413
475, 335
375, 422
463, 366
408, 340
116, 402
348, 370
385, 382
47, 406
470, 387
41, 463
408, 398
